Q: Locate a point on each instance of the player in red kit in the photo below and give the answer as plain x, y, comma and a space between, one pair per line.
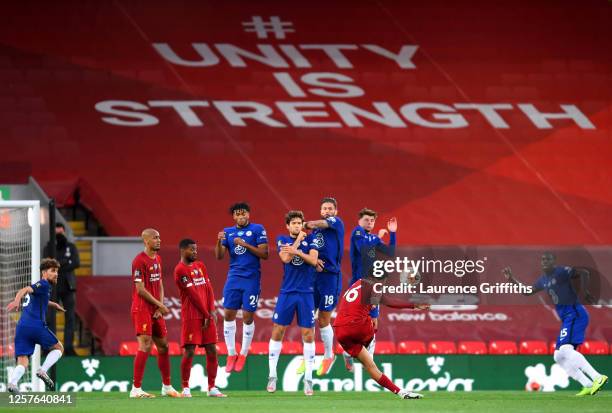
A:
198, 327
147, 315
354, 331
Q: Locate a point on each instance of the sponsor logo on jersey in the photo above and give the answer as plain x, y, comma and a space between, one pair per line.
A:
239, 250
296, 260
240, 233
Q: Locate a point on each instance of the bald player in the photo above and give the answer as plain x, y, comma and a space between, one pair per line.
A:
147, 315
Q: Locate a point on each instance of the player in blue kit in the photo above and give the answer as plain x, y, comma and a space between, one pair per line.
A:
32, 326
328, 234
299, 254
557, 282
363, 249
247, 244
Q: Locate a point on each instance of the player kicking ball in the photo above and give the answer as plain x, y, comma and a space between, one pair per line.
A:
32, 326
198, 327
364, 244
299, 255
556, 280
355, 331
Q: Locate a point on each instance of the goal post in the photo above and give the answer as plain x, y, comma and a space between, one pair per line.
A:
19, 267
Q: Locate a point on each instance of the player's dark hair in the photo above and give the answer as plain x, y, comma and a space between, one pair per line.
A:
292, 215
552, 254
330, 200
47, 263
369, 212
60, 225
185, 243
239, 206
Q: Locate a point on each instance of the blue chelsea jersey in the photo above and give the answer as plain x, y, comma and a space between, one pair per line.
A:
243, 263
330, 242
559, 287
298, 276
35, 304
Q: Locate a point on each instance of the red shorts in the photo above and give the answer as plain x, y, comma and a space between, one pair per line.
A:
193, 332
354, 337
146, 325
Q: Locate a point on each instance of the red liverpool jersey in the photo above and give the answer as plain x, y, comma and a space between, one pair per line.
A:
351, 310
196, 291
149, 271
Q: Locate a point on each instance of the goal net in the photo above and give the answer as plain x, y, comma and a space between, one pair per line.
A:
19, 262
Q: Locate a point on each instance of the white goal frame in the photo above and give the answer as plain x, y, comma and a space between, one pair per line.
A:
34, 220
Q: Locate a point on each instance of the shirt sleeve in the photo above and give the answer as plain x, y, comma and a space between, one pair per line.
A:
375, 312
40, 288
261, 237
567, 273
335, 223
539, 284
386, 249
138, 271
210, 296
182, 280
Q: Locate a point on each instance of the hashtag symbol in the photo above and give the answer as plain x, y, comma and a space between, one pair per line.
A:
275, 26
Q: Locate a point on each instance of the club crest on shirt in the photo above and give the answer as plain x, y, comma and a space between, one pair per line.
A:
296, 260
249, 233
319, 241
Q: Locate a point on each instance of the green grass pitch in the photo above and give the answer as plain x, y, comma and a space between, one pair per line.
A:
260, 401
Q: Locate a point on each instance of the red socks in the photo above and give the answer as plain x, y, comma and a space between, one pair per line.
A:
388, 384
211, 369
140, 361
186, 370
163, 362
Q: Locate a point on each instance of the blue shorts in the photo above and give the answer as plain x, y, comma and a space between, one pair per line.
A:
241, 293
26, 337
289, 304
573, 328
327, 290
